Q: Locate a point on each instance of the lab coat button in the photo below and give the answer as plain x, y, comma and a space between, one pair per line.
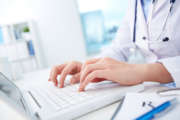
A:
165, 39
144, 38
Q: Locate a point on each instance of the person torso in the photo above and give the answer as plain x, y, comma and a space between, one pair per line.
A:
151, 34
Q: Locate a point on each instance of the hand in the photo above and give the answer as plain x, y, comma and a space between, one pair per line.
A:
109, 69
73, 68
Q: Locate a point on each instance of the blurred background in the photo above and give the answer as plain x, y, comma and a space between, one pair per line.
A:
37, 34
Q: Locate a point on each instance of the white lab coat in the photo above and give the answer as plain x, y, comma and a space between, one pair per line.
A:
166, 52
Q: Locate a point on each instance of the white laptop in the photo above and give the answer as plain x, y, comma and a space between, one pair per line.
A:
47, 102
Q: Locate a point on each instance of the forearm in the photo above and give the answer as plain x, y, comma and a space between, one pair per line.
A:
155, 72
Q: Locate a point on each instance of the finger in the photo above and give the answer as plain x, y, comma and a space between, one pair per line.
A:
55, 72
54, 76
75, 78
91, 61
57, 69
96, 74
65, 72
88, 69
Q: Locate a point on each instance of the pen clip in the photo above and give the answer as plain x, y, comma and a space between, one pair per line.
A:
169, 92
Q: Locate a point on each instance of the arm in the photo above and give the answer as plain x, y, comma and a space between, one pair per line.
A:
172, 65
155, 72
123, 73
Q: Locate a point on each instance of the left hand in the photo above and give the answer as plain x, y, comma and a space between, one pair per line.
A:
109, 69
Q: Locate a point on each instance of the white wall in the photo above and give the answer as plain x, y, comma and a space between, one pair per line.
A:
58, 24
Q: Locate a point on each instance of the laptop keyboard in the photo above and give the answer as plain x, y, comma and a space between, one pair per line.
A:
61, 98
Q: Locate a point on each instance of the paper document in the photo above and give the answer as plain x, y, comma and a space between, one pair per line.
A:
136, 104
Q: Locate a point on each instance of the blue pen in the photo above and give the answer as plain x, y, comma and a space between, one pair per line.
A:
150, 115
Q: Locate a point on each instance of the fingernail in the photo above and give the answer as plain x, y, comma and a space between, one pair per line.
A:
61, 86
80, 89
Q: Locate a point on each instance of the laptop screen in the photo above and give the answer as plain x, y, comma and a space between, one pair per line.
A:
9, 89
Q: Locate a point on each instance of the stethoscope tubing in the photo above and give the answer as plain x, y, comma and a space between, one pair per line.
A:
164, 26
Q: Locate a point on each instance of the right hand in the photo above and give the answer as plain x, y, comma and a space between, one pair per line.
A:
71, 68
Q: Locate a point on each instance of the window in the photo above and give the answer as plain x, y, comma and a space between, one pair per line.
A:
100, 21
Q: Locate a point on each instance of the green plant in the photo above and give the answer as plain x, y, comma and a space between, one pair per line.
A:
26, 29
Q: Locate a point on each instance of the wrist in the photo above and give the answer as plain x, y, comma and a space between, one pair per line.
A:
136, 74
141, 71
154, 72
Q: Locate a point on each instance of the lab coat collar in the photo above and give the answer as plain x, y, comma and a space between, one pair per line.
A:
159, 5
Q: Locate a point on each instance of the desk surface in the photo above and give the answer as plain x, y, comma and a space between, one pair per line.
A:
101, 114
8, 113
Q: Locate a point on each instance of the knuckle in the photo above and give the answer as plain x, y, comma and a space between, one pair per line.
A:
74, 63
95, 73
64, 71
54, 68
106, 58
88, 68
86, 63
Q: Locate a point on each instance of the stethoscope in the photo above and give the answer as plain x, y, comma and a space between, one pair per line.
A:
136, 55
164, 25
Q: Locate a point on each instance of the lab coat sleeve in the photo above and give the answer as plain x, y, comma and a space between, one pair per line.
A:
172, 64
